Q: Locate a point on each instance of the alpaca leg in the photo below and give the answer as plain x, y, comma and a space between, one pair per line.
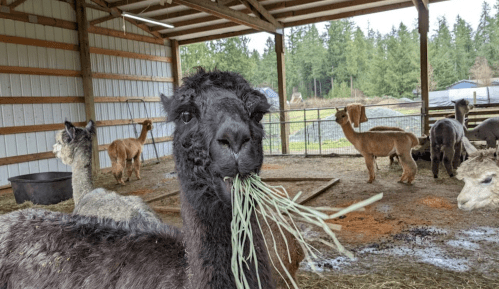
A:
409, 166
370, 167
457, 156
448, 159
376, 162
435, 159
129, 169
491, 142
136, 166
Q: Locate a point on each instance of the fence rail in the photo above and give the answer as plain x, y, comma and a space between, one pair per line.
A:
314, 131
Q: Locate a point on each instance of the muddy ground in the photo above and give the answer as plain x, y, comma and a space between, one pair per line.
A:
415, 237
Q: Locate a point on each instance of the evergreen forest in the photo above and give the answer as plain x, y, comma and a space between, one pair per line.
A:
344, 60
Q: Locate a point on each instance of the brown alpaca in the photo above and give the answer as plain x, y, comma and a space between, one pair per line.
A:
381, 143
387, 128
123, 151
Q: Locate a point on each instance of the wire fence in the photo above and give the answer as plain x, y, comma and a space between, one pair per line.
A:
314, 131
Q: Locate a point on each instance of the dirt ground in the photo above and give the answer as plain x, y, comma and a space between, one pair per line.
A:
415, 237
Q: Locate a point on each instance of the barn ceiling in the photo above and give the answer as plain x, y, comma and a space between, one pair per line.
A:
202, 20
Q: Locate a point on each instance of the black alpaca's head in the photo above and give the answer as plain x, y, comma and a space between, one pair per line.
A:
217, 125
73, 139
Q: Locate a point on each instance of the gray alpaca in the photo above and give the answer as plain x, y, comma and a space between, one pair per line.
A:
446, 136
488, 131
74, 147
217, 135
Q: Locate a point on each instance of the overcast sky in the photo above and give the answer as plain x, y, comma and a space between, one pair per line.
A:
469, 10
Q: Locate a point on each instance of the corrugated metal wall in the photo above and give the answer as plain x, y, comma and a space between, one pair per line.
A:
26, 85
37, 85
129, 88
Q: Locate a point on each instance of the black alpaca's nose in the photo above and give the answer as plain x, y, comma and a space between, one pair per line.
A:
234, 135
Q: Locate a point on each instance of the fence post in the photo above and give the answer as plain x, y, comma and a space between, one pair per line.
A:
319, 129
270, 133
305, 122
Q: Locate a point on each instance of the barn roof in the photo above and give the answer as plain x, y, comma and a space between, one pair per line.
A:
202, 20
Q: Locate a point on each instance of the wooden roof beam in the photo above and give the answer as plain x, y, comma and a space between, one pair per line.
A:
117, 12
277, 16
151, 8
268, 7
229, 14
217, 36
424, 2
16, 3
124, 2
260, 9
103, 19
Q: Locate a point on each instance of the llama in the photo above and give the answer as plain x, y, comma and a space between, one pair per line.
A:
217, 135
123, 151
479, 173
386, 128
446, 136
381, 144
74, 147
488, 131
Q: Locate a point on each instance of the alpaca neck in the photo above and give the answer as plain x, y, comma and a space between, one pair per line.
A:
460, 116
81, 175
349, 132
207, 237
143, 135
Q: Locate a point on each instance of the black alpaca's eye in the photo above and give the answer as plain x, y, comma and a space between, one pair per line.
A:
487, 180
186, 116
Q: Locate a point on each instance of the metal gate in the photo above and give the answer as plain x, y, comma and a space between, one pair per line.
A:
314, 131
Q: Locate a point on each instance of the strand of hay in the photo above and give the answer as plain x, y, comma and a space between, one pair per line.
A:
251, 193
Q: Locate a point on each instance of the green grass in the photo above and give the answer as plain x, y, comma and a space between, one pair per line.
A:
300, 146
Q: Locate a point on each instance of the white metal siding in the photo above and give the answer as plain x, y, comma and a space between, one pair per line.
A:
39, 85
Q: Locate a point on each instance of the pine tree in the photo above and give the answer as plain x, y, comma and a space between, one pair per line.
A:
441, 55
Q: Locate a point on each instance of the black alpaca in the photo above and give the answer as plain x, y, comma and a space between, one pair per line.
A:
217, 134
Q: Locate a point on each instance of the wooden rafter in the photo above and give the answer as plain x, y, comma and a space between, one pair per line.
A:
123, 2
229, 14
103, 19
278, 16
117, 12
217, 36
151, 8
259, 7
353, 13
16, 3
269, 7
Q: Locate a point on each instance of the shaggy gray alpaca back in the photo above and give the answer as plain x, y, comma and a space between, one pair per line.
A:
43, 249
103, 203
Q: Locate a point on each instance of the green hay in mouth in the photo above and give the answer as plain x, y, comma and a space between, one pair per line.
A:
268, 201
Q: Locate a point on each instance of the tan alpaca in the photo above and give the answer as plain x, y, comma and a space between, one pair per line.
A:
123, 151
387, 128
481, 185
381, 144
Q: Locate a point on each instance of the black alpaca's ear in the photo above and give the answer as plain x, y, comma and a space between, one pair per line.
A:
70, 129
167, 101
91, 127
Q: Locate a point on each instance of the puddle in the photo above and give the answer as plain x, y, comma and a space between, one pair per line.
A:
170, 175
462, 251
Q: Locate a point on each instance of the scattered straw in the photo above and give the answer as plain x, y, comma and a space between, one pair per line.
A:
269, 202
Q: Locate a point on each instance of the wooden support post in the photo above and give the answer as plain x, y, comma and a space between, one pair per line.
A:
86, 72
423, 47
281, 79
176, 64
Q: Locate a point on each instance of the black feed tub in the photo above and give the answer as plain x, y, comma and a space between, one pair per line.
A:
42, 188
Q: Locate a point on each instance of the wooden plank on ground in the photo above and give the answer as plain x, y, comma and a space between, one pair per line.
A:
307, 197
162, 196
165, 209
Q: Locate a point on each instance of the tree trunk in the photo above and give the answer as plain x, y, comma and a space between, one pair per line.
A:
351, 86
315, 88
